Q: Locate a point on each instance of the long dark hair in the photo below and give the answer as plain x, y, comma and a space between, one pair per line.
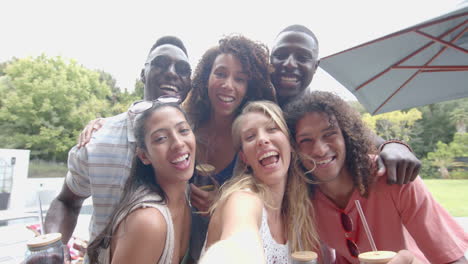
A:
142, 178
255, 62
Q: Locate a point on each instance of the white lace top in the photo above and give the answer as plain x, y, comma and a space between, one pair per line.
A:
275, 253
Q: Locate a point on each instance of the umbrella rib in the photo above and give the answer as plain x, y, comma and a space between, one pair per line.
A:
445, 43
459, 35
404, 31
413, 54
435, 68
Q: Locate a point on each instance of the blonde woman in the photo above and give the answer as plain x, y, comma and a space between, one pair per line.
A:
269, 196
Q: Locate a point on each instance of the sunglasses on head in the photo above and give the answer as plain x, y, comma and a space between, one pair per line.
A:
181, 67
141, 106
347, 225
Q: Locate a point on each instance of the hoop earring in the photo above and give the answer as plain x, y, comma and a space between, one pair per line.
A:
303, 158
311, 170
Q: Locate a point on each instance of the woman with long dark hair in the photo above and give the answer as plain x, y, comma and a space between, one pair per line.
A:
151, 224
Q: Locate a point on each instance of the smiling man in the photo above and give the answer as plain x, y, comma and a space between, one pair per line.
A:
337, 151
294, 57
101, 168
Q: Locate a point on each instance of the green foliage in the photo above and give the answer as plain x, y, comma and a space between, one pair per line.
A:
459, 116
444, 157
428, 170
396, 124
139, 89
46, 102
436, 125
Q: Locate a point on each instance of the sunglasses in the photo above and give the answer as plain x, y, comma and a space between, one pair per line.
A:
347, 225
181, 67
141, 106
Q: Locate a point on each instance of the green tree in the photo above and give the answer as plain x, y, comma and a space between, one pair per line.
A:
138, 92
396, 124
46, 102
444, 155
459, 116
119, 100
442, 158
437, 124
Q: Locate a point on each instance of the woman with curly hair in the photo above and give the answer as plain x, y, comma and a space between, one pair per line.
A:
228, 75
269, 195
339, 158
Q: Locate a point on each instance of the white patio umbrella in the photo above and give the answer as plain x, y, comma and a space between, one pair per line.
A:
419, 65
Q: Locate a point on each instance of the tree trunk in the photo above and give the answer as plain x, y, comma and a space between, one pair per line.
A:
461, 127
444, 173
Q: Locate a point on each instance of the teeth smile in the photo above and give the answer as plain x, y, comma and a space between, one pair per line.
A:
268, 154
289, 79
169, 87
181, 158
226, 99
324, 161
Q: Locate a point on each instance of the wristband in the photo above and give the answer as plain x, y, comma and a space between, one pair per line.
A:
394, 140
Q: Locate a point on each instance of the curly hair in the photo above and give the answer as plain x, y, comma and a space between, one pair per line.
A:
254, 58
299, 216
356, 135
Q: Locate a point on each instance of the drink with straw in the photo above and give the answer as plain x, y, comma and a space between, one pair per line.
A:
204, 177
373, 256
304, 257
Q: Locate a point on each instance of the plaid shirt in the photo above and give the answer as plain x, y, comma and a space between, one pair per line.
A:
101, 168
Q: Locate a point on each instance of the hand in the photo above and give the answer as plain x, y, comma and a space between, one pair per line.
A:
201, 199
91, 127
400, 163
404, 257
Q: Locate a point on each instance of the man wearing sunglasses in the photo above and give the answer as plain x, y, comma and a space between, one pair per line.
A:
337, 153
101, 168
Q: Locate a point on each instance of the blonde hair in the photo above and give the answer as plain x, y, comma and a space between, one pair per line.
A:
298, 216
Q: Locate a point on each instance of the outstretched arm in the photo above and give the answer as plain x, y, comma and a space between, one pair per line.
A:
237, 222
397, 159
243, 247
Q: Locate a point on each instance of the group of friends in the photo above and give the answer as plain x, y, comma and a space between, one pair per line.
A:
290, 164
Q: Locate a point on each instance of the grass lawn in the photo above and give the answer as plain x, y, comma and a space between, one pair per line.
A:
451, 194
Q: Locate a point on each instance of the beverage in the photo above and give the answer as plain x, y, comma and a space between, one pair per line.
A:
304, 257
45, 249
376, 257
204, 177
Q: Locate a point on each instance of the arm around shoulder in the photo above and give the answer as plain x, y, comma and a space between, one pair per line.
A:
140, 237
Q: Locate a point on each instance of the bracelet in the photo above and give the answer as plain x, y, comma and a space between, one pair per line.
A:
394, 140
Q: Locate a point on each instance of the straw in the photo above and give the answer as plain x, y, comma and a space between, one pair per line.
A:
366, 226
41, 220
